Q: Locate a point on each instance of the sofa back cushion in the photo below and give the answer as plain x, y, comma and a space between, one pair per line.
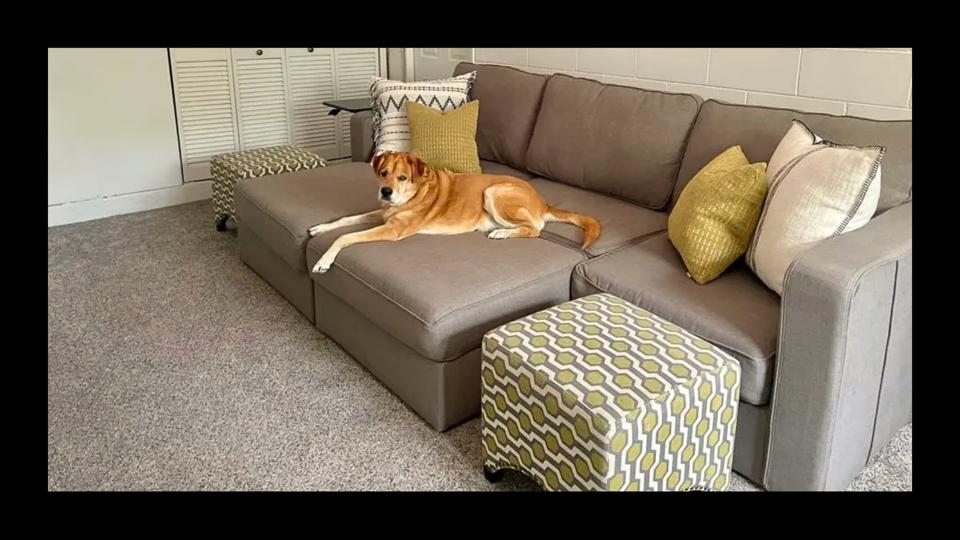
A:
509, 102
621, 141
758, 130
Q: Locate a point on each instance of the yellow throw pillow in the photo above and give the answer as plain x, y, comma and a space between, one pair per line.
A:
445, 139
716, 214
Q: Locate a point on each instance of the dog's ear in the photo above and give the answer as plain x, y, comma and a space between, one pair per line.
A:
418, 164
377, 160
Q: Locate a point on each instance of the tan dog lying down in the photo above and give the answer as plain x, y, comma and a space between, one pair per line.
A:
417, 199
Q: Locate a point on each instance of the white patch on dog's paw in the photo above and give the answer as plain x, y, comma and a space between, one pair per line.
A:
499, 234
321, 267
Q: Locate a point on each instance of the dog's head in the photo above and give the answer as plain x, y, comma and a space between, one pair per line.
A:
401, 174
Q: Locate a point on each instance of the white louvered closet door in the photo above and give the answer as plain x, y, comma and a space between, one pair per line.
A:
355, 69
260, 86
206, 114
310, 82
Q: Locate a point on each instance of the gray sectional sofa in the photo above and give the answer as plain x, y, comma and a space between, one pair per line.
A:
826, 368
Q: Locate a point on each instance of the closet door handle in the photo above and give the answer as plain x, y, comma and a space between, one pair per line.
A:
259, 52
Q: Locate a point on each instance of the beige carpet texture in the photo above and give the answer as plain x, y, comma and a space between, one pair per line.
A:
172, 366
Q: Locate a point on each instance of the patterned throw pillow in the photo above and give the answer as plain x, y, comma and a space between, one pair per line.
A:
445, 139
391, 130
715, 216
817, 189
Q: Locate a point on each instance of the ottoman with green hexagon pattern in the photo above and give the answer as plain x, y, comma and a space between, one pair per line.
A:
599, 394
228, 169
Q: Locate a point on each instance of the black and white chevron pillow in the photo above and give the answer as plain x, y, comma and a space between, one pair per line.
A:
391, 129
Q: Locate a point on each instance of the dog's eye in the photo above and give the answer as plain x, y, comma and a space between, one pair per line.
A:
384, 173
401, 178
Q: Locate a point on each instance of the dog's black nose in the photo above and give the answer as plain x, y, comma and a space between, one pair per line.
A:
386, 192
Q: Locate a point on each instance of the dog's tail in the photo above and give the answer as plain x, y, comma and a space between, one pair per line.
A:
590, 226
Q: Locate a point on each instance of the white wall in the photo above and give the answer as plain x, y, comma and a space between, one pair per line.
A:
873, 83
395, 64
112, 134
438, 63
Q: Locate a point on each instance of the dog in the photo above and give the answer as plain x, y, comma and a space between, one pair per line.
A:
417, 199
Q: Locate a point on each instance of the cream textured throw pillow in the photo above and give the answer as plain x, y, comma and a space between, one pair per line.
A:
815, 189
391, 129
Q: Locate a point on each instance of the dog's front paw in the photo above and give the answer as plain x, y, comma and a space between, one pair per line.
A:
499, 234
323, 264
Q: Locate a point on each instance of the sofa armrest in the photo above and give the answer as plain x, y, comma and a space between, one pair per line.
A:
844, 363
361, 136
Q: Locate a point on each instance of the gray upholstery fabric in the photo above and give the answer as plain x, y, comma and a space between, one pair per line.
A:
836, 370
616, 140
492, 167
281, 209
758, 130
509, 102
361, 136
442, 393
622, 222
897, 387
440, 294
750, 446
735, 311
294, 284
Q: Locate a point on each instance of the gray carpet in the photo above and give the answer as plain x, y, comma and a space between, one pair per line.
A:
172, 366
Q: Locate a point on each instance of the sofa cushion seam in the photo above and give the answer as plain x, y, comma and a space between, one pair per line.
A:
508, 291
562, 240
671, 201
428, 324
270, 215
376, 290
581, 273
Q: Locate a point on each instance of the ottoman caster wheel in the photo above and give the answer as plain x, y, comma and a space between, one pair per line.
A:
222, 223
491, 475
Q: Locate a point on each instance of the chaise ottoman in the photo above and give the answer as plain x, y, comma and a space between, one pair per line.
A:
228, 169
599, 394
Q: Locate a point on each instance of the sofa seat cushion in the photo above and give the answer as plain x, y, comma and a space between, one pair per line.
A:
439, 294
735, 311
494, 167
622, 222
280, 209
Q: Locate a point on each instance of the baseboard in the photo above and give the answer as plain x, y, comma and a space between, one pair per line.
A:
75, 212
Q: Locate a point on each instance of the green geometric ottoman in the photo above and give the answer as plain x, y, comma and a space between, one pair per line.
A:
228, 169
598, 394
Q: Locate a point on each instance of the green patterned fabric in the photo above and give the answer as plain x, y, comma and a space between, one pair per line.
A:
599, 394
228, 169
